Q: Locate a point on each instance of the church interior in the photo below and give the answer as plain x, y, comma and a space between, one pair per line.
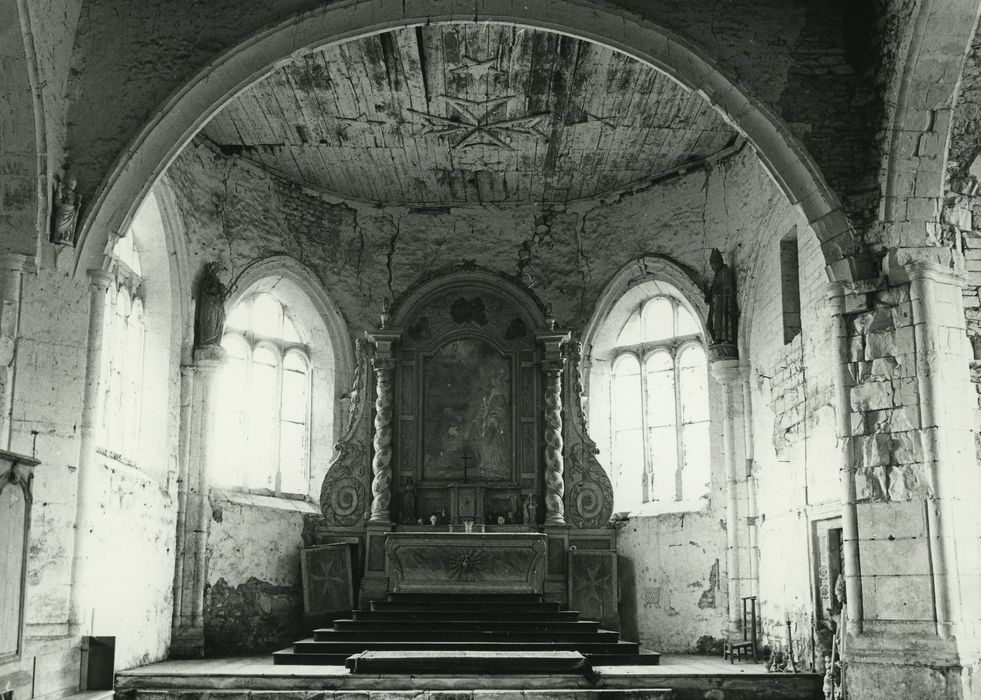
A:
412, 339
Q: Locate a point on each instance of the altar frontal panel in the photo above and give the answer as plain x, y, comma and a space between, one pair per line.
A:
465, 563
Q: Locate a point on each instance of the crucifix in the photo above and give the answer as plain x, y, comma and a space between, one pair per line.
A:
466, 455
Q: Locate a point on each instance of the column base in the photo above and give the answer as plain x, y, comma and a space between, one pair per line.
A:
374, 584
911, 666
187, 643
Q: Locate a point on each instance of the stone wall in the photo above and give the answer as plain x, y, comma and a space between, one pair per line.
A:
672, 580
795, 461
130, 541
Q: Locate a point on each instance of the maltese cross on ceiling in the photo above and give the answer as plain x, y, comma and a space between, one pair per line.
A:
480, 123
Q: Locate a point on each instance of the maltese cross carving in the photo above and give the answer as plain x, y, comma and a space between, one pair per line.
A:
479, 123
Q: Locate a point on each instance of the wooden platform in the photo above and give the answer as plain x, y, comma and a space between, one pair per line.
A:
257, 678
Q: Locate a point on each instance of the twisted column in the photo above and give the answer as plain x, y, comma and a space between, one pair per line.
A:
381, 463
554, 463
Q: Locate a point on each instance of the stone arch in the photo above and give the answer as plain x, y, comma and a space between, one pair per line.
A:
925, 90
186, 111
23, 154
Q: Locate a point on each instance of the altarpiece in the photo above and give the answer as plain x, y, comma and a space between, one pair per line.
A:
466, 413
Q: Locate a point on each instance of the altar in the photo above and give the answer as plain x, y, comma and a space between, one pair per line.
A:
466, 409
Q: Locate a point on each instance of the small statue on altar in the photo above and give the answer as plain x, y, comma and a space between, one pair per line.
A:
209, 317
432, 519
531, 510
723, 314
409, 501
64, 212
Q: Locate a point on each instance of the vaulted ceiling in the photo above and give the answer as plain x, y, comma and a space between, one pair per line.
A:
457, 113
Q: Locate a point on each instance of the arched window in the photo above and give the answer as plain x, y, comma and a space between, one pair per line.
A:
659, 422
264, 411
123, 351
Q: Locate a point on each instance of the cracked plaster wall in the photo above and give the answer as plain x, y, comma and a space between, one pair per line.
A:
253, 602
236, 214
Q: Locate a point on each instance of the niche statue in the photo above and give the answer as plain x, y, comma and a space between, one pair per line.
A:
209, 317
64, 212
723, 315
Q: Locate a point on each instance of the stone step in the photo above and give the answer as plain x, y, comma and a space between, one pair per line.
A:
422, 635
469, 662
312, 649
580, 626
641, 658
541, 606
483, 599
427, 614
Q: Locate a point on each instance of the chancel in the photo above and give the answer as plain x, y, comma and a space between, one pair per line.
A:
590, 348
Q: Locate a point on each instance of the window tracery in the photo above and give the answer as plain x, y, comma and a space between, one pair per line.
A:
264, 415
123, 355
659, 405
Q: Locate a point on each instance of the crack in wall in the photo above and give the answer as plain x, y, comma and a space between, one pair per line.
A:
392, 243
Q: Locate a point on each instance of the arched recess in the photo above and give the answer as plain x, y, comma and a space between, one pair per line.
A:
186, 111
331, 346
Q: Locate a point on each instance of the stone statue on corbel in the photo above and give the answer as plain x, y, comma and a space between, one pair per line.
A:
209, 311
589, 492
723, 315
65, 203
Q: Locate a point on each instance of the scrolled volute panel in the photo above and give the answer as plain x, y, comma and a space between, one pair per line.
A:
344, 495
588, 493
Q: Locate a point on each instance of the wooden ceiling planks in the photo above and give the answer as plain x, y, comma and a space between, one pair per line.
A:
445, 114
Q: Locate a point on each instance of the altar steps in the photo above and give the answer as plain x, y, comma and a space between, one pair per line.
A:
456, 623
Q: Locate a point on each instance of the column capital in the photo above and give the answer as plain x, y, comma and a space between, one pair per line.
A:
209, 357
100, 279
553, 342
725, 371
932, 270
384, 342
17, 262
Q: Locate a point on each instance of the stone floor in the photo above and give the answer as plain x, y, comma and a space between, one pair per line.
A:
671, 664
256, 678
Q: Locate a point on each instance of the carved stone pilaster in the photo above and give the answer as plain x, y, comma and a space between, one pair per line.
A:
344, 492
589, 496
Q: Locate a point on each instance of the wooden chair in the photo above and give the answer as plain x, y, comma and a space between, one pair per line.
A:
742, 647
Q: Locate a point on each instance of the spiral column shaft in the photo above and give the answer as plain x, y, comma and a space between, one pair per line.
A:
554, 462
381, 463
